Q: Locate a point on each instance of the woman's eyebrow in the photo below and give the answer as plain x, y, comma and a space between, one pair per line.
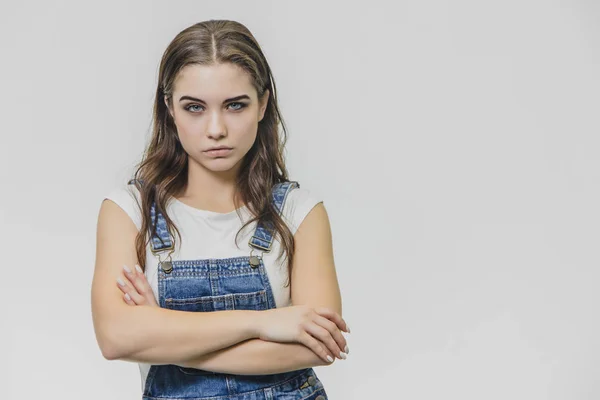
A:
244, 96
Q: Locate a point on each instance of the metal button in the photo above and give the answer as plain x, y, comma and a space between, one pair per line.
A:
320, 397
304, 385
166, 266
254, 261
311, 380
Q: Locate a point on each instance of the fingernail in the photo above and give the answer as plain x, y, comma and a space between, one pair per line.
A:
346, 349
347, 327
126, 268
343, 355
139, 269
127, 296
329, 358
120, 282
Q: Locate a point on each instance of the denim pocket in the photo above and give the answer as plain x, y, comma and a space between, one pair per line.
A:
234, 301
194, 371
306, 386
318, 394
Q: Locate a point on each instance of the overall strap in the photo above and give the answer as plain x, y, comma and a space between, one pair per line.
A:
263, 237
162, 239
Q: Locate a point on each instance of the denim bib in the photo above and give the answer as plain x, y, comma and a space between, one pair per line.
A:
206, 285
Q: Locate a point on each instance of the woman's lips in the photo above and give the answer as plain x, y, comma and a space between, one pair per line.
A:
218, 153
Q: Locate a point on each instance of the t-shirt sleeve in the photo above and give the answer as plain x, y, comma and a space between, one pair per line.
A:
298, 204
127, 197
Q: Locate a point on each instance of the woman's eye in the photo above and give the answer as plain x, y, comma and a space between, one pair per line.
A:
192, 105
239, 107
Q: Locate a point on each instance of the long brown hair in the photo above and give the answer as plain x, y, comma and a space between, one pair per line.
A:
163, 168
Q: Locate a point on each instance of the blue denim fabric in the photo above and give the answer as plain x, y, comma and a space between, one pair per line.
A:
223, 284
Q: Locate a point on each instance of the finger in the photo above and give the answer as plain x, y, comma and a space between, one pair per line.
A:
333, 316
336, 334
325, 337
128, 299
317, 347
146, 289
138, 280
125, 288
142, 287
139, 270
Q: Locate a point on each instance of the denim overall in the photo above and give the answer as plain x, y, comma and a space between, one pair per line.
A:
237, 283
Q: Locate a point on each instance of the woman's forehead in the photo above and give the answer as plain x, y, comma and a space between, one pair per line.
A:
213, 83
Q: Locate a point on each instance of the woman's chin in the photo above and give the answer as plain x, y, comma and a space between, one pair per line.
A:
219, 164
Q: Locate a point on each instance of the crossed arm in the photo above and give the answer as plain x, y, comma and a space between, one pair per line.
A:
313, 282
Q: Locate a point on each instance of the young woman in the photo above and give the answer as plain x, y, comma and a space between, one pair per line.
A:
215, 272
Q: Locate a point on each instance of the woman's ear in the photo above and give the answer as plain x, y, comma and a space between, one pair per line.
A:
263, 104
166, 100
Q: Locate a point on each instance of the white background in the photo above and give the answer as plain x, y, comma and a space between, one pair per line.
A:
455, 144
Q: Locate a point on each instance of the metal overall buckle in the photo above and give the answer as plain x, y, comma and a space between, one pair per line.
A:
254, 260
166, 266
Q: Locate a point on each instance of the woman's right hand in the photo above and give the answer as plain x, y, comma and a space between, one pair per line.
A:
318, 328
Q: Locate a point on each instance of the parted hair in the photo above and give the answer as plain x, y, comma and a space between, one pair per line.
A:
163, 167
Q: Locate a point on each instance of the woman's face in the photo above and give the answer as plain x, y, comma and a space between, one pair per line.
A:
216, 106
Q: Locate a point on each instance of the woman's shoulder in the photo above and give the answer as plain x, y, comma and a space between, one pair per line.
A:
127, 197
298, 203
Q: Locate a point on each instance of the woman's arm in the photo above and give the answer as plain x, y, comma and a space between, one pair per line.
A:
257, 357
157, 335
151, 334
313, 282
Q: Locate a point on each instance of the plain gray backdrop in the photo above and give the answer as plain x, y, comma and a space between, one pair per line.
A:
455, 144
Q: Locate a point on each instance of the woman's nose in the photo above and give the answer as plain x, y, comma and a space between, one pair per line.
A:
216, 126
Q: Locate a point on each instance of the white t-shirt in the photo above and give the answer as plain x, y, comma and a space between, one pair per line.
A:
207, 234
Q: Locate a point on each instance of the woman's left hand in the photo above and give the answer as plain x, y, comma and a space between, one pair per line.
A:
136, 289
